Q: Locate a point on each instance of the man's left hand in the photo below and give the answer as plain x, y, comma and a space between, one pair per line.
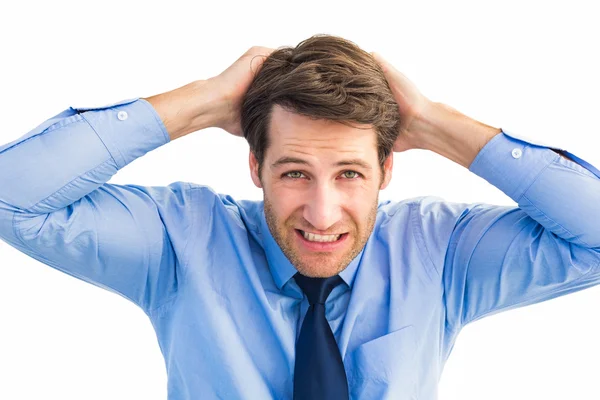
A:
413, 105
434, 126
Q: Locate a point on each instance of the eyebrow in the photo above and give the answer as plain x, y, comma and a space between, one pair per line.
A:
293, 160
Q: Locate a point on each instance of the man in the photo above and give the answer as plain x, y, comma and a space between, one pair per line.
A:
318, 291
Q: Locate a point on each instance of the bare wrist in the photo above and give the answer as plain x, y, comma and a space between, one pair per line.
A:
452, 134
190, 108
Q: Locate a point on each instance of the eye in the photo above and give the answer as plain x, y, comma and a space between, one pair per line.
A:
289, 174
297, 175
356, 174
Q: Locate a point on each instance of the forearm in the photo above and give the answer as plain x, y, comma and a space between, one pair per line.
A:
559, 194
73, 153
543, 191
189, 108
452, 134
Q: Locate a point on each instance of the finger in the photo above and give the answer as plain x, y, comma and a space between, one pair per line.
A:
389, 69
257, 61
260, 50
377, 56
382, 61
260, 55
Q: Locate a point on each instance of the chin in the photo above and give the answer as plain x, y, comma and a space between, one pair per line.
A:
318, 270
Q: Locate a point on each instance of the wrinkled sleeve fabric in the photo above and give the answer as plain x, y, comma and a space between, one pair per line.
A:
497, 258
56, 206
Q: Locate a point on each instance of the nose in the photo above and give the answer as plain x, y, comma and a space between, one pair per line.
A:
323, 208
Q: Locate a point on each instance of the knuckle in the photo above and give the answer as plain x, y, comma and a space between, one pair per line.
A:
260, 50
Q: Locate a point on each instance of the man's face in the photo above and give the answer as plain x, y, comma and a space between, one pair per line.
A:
306, 191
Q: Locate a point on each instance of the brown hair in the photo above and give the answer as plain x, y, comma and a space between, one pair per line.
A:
323, 77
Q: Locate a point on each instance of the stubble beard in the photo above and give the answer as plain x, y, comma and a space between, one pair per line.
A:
322, 264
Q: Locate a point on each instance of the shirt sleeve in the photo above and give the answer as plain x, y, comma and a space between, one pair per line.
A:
501, 257
56, 206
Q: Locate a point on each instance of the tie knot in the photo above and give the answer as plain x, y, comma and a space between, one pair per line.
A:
317, 289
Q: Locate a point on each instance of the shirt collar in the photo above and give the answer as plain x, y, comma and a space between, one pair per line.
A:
282, 269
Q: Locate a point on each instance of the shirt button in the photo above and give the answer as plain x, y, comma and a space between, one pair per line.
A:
517, 153
122, 115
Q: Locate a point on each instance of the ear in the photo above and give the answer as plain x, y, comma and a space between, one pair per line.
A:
254, 170
387, 168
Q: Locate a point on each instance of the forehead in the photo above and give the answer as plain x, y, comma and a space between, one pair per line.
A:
297, 135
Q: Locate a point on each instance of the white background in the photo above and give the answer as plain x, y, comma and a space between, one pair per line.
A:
528, 67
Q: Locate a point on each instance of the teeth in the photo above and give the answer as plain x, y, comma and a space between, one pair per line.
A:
320, 238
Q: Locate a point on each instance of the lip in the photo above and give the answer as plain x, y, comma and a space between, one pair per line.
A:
322, 246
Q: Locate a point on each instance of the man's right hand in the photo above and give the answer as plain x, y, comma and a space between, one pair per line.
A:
234, 82
214, 102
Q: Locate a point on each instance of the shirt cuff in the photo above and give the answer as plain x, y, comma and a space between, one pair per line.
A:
512, 163
129, 128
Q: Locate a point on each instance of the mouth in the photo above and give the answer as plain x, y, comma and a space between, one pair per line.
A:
323, 243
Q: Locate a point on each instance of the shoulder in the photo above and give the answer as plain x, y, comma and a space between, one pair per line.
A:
421, 207
209, 202
427, 221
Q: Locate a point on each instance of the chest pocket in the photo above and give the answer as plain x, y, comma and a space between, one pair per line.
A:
384, 367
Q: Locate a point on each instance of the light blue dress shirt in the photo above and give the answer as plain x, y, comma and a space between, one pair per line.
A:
218, 290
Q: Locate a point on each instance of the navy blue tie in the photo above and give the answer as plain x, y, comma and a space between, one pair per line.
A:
319, 371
